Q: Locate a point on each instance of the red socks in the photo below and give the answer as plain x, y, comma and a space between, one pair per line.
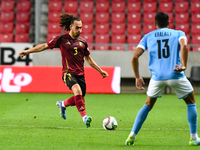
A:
78, 101
70, 101
80, 105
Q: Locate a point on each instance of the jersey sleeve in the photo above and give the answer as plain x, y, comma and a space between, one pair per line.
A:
182, 36
143, 43
55, 42
86, 50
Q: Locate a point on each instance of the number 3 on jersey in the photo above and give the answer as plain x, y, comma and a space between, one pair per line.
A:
76, 50
165, 51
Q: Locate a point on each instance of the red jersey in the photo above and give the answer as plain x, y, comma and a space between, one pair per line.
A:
72, 51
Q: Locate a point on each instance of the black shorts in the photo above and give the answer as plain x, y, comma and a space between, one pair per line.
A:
70, 80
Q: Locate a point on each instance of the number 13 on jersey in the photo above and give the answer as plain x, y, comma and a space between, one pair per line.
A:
163, 52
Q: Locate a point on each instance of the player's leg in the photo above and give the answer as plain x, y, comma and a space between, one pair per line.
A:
192, 119
155, 89
140, 118
184, 90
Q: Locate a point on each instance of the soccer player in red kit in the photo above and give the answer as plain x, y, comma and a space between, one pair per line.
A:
74, 49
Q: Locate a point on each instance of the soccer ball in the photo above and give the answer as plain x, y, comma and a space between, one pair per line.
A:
110, 123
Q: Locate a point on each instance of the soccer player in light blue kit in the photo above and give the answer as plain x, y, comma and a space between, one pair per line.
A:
168, 54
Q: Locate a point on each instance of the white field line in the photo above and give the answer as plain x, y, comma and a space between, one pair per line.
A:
92, 128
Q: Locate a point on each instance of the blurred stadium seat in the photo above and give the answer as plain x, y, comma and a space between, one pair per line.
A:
6, 37
181, 7
134, 17
6, 27
183, 27
195, 18
195, 29
148, 27
118, 17
182, 17
53, 27
86, 7
118, 38
24, 6
22, 28
150, 7
118, 28
166, 7
87, 17
118, 6
53, 17
134, 6
102, 17
195, 7
23, 17
102, 6
50, 36
87, 28
196, 39
102, 28
7, 6
149, 17
102, 38
55, 6
22, 38
7, 17
134, 38
134, 28
71, 6
88, 37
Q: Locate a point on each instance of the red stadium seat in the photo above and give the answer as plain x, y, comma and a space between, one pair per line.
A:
188, 38
195, 7
86, 7
117, 48
118, 17
195, 29
54, 17
134, 17
7, 6
166, 7
84, 0
88, 37
24, 6
181, 7
118, 6
150, 1
117, 0
8, 0
102, 38
196, 48
87, 28
22, 0
118, 28
7, 17
102, 17
22, 38
134, 28
87, 17
71, 6
171, 26
148, 28
132, 48
22, 28
55, 6
118, 38
54, 28
149, 17
102, 6
6, 37
150, 7
134, 6
194, 0
23, 17
165, 1
50, 36
183, 27
101, 0
102, 28
6, 27
182, 17
196, 39
171, 17
195, 17
134, 38
56, 0
102, 47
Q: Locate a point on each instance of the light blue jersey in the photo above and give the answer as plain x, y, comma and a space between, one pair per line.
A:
164, 52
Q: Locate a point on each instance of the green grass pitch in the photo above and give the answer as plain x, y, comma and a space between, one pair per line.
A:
31, 121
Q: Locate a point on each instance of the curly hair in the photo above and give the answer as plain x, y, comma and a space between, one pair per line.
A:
66, 20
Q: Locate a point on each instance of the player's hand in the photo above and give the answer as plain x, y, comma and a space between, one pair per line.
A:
23, 53
104, 73
139, 82
179, 68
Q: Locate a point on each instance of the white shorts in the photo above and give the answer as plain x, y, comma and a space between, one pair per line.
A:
182, 87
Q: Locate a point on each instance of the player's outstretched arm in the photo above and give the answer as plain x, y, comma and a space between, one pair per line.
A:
93, 64
37, 48
139, 82
184, 56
